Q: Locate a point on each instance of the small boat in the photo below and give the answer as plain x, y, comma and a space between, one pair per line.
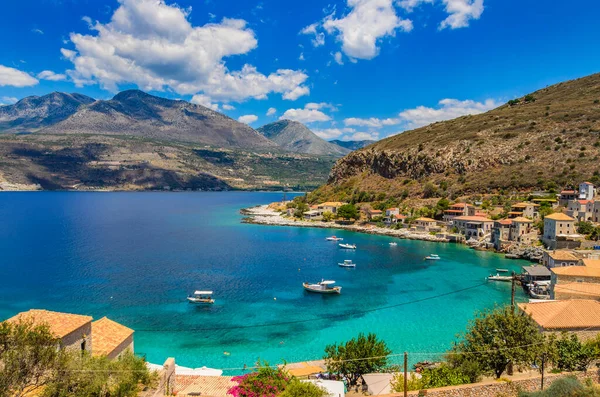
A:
433, 257
393, 244
203, 297
502, 270
334, 238
347, 263
498, 277
348, 246
323, 287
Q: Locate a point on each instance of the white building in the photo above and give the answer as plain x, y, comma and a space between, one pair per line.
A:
586, 191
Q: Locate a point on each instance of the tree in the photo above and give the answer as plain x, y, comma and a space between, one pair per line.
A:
584, 227
29, 355
87, 376
358, 356
567, 386
303, 389
499, 337
301, 208
572, 355
265, 382
348, 211
429, 190
328, 216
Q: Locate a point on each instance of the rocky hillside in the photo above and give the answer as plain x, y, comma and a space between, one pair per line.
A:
352, 145
548, 139
296, 137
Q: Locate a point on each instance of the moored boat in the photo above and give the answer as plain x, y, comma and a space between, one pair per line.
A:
348, 246
347, 263
498, 277
334, 238
202, 297
432, 257
393, 243
323, 287
502, 270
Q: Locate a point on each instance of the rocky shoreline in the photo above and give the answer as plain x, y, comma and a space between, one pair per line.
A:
263, 215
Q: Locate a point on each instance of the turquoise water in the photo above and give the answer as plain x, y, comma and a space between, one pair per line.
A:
134, 257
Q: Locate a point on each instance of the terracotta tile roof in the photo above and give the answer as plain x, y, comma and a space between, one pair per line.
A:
568, 192
393, 209
524, 205
593, 263
455, 211
559, 217
211, 386
588, 289
567, 314
332, 204
562, 255
61, 324
587, 183
375, 211
473, 219
400, 216
460, 205
521, 219
505, 221
107, 335
423, 219
576, 271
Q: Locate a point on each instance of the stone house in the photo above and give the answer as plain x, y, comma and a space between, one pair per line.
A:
559, 258
331, 206
566, 196
596, 211
580, 316
73, 330
575, 291
526, 210
556, 225
392, 211
313, 215
581, 210
522, 231
425, 224
501, 233
110, 338
371, 213
586, 191
575, 274
458, 209
473, 226
393, 219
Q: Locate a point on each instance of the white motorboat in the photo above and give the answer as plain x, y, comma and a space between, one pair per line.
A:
202, 297
433, 257
502, 270
393, 244
348, 246
323, 287
498, 277
334, 238
347, 263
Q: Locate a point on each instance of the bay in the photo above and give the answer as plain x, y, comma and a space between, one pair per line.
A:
134, 257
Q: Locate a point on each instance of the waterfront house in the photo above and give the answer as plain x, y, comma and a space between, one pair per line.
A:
73, 330
458, 209
501, 234
580, 316
313, 215
586, 191
559, 258
392, 211
522, 231
330, 206
575, 291
536, 273
425, 224
372, 214
110, 338
581, 210
556, 225
566, 196
473, 226
527, 210
397, 218
575, 274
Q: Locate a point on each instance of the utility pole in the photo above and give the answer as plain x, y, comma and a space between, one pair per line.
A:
512, 291
543, 362
405, 374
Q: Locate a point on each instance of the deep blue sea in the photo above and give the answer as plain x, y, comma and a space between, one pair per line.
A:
134, 257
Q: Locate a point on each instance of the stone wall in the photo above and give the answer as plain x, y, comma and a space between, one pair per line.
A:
75, 339
495, 389
127, 344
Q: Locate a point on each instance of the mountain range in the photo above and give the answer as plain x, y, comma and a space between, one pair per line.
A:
296, 137
549, 139
353, 145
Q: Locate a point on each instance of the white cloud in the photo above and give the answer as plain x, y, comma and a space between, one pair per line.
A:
321, 105
461, 12
368, 22
338, 58
363, 136
271, 111
448, 109
332, 133
8, 100
38, 31
154, 46
371, 122
301, 57
15, 78
205, 101
309, 114
227, 106
319, 37
248, 118
410, 5
50, 75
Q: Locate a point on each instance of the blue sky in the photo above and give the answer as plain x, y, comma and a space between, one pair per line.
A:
349, 69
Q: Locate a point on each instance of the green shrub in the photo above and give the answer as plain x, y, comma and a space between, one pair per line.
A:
303, 389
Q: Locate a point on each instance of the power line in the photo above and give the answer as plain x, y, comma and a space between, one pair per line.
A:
329, 317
